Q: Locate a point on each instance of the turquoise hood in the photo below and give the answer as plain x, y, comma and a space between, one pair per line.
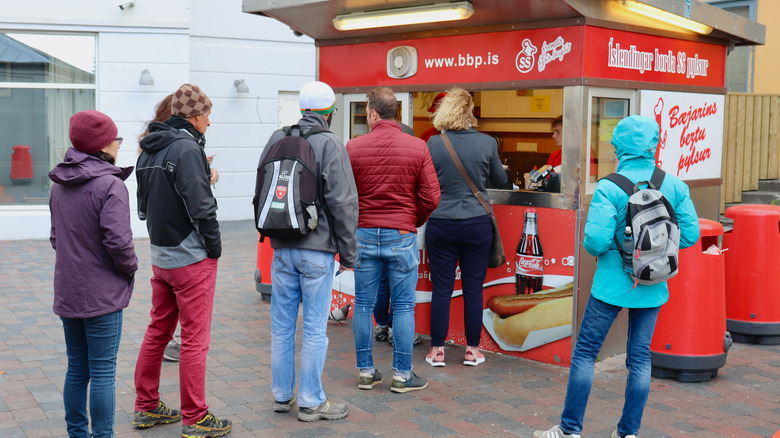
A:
635, 137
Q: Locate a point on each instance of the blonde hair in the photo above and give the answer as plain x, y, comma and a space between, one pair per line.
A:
456, 111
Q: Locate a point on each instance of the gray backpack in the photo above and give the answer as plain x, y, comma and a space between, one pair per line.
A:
651, 240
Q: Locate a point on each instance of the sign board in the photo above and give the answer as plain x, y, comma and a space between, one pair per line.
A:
691, 137
523, 55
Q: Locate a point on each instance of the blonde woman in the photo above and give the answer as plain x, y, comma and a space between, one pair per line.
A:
459, 230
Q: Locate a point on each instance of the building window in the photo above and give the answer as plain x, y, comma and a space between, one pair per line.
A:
740, 61
44, 79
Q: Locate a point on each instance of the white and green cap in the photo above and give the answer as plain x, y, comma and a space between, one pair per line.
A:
317, 97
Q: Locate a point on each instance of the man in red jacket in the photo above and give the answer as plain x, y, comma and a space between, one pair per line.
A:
397, 190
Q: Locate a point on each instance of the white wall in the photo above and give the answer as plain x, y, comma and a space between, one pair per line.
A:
205, 42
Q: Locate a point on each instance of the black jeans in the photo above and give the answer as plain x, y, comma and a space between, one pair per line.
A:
450, 242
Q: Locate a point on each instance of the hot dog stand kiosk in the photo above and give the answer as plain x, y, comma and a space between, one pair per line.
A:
526, 62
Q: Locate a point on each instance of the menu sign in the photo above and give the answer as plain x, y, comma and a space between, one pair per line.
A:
690, 144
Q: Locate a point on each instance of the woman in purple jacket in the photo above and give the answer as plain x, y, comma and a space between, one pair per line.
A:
94, 268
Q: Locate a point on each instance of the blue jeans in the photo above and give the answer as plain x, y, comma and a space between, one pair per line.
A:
596, 322
383, 314
92, 345
378, 250
300, 274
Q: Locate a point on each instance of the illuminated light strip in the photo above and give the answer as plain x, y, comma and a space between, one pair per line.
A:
404, 16
668, 17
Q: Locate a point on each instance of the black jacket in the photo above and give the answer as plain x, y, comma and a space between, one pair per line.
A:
175, 199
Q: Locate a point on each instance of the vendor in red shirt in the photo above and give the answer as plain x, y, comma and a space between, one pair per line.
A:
554, 159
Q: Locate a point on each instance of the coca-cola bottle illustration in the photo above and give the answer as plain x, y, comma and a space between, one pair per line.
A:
529, 266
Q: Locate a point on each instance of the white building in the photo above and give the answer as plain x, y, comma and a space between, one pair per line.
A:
57, 58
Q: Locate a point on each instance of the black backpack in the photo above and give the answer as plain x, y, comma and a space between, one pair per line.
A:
651, 241
286, 198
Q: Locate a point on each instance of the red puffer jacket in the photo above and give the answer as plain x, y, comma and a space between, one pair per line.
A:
395, 178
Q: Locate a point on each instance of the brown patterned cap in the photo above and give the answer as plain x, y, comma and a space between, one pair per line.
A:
189, 101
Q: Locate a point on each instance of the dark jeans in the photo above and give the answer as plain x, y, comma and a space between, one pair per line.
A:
450, 242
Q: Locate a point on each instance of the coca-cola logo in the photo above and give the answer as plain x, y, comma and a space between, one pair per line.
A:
529, 265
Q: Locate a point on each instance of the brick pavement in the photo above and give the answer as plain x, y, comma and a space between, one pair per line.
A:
506, 396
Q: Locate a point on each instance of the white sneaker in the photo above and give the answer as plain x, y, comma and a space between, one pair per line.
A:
554, 432
615, 434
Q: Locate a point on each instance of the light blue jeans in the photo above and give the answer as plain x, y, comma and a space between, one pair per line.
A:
596, 322
92, 345
383, 249
300, 274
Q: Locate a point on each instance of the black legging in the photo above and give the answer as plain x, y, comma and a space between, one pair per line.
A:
450, 242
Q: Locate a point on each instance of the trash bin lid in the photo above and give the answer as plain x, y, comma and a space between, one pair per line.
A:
745, 210
709, 227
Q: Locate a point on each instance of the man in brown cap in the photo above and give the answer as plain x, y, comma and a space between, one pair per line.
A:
175, 199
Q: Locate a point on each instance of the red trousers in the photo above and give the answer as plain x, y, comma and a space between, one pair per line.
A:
185, 295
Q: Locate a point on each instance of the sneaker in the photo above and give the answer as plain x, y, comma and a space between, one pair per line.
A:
368, 381
285, 405
172, 350
413, 383
325, 411
417, 338
555, 432
615, 434
159, 415
435, 357
209, 426
381, 333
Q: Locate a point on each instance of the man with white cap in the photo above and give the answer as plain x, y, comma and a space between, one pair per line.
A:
302, 268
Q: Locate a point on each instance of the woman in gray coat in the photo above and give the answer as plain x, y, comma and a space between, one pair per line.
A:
459, 230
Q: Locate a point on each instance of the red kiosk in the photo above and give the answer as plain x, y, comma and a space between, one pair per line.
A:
526, 62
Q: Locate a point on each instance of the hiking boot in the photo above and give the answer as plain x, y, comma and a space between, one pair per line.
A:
209, 426
413, 383
172, 350
325, 411
381, 333
555, 432
159, 415
368, 381
285, 405
417, 338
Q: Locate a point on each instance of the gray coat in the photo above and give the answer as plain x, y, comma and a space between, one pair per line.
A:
335, 232
479, 155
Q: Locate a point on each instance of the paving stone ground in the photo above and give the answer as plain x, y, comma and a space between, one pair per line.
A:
505, 396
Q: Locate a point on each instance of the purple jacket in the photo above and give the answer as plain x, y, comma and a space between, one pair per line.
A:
90, 232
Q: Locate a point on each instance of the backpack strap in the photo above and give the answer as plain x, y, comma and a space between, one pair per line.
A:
658, 178
622, 182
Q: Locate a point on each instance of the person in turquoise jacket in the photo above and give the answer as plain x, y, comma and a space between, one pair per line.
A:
635, 139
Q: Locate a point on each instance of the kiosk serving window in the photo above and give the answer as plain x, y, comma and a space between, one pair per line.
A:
607, 108
44, 79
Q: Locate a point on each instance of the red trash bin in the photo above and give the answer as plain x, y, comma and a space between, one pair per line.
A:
265, 254
752, 283
21, 165
690, 342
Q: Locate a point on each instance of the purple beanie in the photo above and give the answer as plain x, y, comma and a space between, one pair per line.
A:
91, 131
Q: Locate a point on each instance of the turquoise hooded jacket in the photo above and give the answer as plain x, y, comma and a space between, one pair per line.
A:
635, 139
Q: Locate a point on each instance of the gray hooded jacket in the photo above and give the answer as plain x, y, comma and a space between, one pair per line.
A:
335, 232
